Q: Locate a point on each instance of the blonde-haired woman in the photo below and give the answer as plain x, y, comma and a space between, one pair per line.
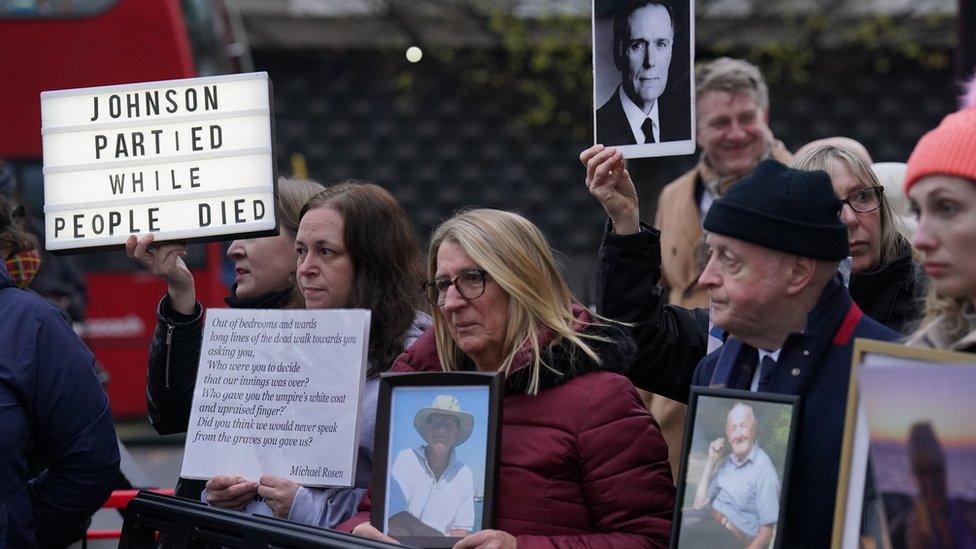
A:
941, 186
886, 281
582, 463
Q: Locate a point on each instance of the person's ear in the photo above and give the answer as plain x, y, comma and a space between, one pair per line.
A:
800, 271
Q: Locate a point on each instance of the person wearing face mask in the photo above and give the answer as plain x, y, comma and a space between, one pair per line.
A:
52, 406
941, 186
355, 249
265, 270
886, 281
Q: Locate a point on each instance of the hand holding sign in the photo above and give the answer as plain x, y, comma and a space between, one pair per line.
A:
230, 492
166, 262
278, 493
609, 182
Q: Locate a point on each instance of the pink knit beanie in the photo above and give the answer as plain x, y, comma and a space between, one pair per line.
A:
949, 149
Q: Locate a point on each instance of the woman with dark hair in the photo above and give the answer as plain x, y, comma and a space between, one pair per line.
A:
356, 249
52, 407
265, 271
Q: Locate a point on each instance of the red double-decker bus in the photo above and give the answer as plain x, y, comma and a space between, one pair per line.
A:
60, 44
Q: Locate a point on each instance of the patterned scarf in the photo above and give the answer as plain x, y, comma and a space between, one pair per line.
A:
22, 267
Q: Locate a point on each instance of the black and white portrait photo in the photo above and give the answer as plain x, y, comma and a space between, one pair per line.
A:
643, 51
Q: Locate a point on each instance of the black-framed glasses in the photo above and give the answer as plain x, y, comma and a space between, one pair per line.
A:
866, 200
470, 284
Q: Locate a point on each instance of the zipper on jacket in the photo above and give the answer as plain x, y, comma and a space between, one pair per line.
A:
169, 349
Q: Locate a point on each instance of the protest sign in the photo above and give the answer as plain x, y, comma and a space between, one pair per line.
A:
277, 393
184, 159
643, 77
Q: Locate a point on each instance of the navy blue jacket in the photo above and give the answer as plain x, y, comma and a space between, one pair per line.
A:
816, 365
672, 340
50, 400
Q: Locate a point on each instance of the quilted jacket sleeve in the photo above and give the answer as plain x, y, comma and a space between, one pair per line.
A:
173, 359
71, 426
624, 470
670, 340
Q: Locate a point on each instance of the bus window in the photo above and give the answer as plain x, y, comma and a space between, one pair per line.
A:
53, 9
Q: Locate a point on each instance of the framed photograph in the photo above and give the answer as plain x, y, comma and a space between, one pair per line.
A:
735, 469
436, 456
643, 77
909, 455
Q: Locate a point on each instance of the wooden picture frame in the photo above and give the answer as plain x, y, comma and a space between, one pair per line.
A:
769, 448
849, 507
412, 428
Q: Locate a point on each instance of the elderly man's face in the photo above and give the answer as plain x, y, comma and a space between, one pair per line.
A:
441, 431
732, 131
648, 55
740, 430
745, 283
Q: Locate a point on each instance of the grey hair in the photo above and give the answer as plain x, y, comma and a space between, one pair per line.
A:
726, 74
824, 157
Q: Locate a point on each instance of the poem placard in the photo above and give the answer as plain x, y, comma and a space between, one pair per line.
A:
278, 393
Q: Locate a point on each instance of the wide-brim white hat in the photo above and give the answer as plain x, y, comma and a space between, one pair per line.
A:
447, 405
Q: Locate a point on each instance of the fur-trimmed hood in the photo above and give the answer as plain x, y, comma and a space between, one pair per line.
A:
616, 349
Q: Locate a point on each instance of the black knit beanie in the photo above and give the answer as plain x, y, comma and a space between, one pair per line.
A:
784, 209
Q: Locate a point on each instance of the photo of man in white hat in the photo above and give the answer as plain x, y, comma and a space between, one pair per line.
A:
431, 491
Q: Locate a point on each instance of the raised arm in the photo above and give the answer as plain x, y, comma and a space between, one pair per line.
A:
609, 182
175, 349
670, 340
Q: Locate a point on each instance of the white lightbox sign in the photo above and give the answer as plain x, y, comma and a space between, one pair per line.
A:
186, 160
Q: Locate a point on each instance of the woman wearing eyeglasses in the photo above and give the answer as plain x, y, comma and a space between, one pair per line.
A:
886, 281
582, 464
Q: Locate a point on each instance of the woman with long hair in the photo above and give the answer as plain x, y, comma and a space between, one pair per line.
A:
355, 248
581, 461
265, 274
941, 186
886, 282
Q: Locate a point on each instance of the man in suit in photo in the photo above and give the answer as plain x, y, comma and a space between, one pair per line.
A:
643, 40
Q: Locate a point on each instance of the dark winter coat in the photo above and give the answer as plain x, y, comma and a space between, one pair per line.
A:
582, 464
893, 294
814, 364
51, 399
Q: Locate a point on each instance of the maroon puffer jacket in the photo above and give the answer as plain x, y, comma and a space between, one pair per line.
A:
582, 464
